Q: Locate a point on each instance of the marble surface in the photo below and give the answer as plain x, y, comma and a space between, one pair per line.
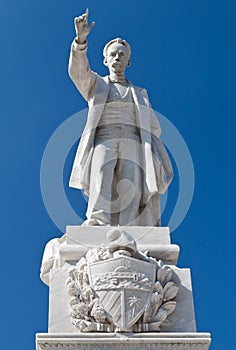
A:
149, 341
93, 236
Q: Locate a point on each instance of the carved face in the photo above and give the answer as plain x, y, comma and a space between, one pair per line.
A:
117, 58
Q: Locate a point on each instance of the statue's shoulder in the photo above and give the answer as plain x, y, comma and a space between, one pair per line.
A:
140, 90
101, 81
100, 84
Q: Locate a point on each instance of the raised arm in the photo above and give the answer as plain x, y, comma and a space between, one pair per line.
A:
79, 69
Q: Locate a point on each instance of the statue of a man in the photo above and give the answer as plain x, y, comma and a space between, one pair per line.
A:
121, 163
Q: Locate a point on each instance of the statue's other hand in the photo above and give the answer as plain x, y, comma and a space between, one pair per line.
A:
81, 27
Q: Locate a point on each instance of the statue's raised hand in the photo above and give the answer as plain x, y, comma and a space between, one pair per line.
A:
81, 27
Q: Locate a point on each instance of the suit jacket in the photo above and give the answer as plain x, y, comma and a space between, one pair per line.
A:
94, 88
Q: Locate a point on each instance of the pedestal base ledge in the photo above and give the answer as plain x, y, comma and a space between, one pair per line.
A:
123, 341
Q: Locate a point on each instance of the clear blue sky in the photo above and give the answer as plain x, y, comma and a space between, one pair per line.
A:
184, 54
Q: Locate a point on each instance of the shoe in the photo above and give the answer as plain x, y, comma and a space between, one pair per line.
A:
94, 222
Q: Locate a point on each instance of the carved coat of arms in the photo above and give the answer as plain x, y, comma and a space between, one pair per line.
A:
123, 286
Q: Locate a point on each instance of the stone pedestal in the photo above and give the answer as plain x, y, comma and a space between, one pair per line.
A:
62, 254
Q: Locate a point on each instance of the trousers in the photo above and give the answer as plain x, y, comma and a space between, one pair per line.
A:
116, 185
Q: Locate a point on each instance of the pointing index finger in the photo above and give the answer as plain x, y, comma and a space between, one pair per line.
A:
86, 13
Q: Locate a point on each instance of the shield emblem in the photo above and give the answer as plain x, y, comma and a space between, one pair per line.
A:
124, 286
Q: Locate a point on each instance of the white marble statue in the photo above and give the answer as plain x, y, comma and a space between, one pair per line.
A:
117, 287
121, 164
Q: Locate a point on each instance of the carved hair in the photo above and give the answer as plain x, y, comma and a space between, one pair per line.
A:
119, 41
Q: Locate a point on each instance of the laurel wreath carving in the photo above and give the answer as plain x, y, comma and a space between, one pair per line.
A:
87, 314
161, 304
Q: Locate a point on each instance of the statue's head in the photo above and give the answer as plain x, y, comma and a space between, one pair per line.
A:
117, 55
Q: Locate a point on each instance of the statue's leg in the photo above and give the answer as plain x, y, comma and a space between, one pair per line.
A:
150, 212
129, 171
102, 170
